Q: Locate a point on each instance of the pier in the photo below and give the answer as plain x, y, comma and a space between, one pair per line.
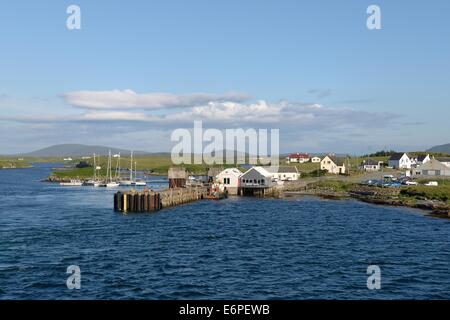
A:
149, 201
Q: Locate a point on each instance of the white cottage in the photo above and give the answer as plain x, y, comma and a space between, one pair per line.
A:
333, 165
315, 160
400, 160
285, 173
370, 165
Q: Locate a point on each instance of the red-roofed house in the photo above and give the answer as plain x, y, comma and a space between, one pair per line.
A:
298, 158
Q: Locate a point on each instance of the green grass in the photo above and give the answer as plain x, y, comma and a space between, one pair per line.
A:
441, 192
10, 163
77, 173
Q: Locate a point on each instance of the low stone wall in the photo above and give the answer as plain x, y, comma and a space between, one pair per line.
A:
375, 191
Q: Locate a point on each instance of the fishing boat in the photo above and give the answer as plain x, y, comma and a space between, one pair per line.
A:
217, 192
72, 183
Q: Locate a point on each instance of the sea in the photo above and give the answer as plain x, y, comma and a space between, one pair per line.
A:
237, 248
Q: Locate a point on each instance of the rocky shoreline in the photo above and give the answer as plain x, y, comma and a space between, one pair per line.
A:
375, 195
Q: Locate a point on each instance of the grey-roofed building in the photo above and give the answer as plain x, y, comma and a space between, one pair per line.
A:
444, 160
433, 168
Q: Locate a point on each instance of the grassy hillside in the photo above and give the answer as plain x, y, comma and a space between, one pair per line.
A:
13, 163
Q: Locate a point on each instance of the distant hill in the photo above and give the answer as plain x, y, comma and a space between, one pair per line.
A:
77, 150
445, 148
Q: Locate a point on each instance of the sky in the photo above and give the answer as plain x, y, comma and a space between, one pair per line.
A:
137, 70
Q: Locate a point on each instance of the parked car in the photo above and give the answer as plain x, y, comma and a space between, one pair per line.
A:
411, 183
432, 184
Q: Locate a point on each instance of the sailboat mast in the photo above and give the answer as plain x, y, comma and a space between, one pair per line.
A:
131, 169
110, 167
95, 169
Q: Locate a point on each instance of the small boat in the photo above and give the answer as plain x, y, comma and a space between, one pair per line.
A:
217, 192
91, 183
126, 183
218, 195
112, 184
72, 183
139, 183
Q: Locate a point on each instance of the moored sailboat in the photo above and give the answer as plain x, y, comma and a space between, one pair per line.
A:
130, 181
109, 182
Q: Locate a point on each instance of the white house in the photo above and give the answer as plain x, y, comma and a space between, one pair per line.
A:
400, 160
229, 179
333, 165
315, 159
417, 160
286, 173
370, 165
256, 177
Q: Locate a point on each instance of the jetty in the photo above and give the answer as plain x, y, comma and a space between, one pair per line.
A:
150, 201
185, 188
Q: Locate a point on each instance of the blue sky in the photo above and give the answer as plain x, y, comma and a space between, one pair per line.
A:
310, 68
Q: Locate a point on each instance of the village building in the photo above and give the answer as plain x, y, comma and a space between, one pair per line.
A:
417, 160
422, 159
400, 160
230, 180
298, 158
256, 177
370, 165
284, 173
444, 160
333, 165
433, 168
315, 160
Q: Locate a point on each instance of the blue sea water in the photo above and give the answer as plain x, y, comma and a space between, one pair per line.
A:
238, 248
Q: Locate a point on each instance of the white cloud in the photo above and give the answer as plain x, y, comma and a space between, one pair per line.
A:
128, 99
283, 114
